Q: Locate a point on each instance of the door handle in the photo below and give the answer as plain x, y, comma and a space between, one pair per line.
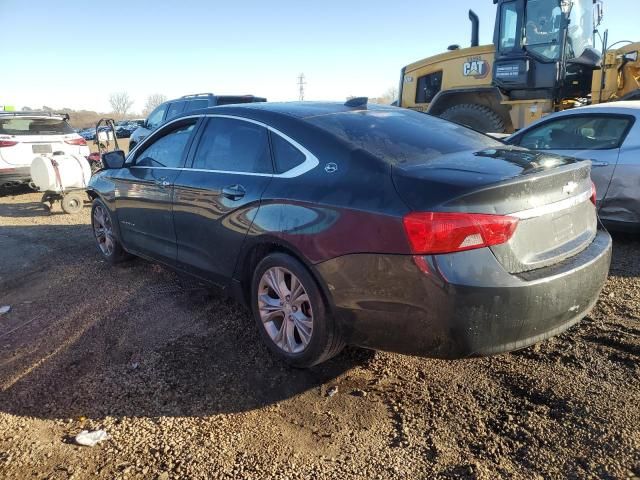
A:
233, 192
597, 163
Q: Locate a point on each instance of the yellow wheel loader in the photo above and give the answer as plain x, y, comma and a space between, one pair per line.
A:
542, 60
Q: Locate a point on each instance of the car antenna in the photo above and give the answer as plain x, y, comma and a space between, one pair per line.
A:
357, 102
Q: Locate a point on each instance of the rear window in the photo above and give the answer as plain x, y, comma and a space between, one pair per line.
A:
402, 136
34, 126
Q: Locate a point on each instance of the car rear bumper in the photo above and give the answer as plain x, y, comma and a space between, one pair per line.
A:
12, 176
462, 304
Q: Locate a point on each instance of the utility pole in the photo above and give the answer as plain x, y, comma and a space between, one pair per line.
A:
301, 84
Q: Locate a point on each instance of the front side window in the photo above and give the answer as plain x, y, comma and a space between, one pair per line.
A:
578, 133
175, 109
34, 126
543, 28
509, 26
156, 117
232, 145
168, 150
428, 87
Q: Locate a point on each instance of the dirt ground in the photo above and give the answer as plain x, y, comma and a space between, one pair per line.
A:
178, 378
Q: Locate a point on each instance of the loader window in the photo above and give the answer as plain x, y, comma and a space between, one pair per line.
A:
428, 87
543, 23
508, 26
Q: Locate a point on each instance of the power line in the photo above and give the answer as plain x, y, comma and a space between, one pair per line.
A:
301, 84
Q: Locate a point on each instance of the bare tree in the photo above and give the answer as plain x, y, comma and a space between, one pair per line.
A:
120, 103
152, 102
387, 97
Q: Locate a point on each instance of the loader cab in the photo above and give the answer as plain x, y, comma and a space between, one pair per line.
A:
544, 48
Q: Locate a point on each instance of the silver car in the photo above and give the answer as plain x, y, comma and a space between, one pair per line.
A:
607, 134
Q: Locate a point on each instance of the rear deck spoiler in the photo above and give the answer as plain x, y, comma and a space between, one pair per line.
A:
64, 116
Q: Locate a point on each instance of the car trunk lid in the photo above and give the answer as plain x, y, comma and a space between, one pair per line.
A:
549, 194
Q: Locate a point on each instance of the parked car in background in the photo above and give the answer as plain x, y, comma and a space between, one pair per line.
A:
25, 135
608, 135
467, 247
125, 129
187, 103
88, 133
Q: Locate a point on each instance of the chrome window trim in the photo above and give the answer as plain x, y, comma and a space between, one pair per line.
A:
552, 207
310, 162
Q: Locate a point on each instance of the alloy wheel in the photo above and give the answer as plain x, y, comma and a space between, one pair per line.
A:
285, 310
103, 231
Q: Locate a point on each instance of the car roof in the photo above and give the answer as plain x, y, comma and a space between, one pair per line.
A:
624, 106
301, 110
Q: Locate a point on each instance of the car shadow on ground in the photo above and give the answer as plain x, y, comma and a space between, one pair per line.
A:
88, 339
627, 254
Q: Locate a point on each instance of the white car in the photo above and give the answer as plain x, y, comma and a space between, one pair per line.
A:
25, 135
608, 134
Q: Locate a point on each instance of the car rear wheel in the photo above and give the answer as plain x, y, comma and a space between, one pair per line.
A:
291, 313
106, 241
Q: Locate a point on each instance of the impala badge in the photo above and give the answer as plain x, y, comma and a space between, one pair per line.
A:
569, 188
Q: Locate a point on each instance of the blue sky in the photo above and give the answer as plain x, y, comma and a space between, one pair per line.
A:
74, 54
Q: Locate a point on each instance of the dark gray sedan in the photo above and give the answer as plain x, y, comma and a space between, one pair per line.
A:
357, 224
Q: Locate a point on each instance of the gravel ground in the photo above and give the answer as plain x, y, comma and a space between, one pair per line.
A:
178, 378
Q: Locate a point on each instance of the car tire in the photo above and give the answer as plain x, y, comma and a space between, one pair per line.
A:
106, 241
478, 117
293, 322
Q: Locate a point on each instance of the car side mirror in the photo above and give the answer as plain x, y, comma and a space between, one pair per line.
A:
631, 56
113, 160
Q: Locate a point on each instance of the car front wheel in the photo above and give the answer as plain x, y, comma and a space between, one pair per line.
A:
106, 241
291, 313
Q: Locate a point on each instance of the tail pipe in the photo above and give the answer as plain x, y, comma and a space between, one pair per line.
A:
475, 28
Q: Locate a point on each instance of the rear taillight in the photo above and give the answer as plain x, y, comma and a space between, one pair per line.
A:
76, 141
7, 143
438, 232
593, 193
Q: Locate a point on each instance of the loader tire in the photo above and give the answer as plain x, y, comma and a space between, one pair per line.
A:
478, 117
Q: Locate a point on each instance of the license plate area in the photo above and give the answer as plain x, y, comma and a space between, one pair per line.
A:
41, 148
563, 227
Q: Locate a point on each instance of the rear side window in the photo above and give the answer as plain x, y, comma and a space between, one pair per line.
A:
231, 145
576, 132
286, 156
402, 136
168, 150
34, 126
428, 87
197, 104
175, 109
